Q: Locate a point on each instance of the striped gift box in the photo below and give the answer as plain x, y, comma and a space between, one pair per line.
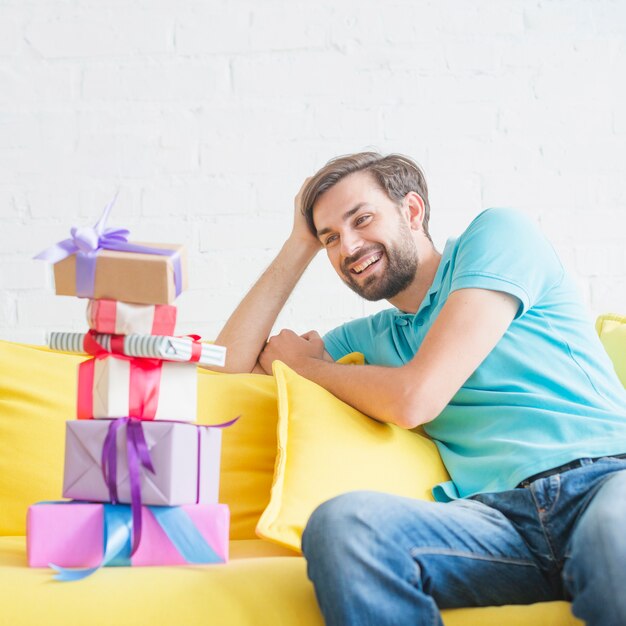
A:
147, 346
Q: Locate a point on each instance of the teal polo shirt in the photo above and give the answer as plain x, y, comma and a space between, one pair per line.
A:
546, 394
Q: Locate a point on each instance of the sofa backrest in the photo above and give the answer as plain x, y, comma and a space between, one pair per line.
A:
38, 394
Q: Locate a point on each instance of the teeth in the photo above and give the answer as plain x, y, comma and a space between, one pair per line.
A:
359, 268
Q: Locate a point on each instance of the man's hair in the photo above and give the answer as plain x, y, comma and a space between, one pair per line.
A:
395, 174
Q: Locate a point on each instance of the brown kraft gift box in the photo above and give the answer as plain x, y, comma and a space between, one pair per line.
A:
127, 276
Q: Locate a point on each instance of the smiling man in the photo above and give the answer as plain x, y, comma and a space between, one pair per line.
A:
486, 345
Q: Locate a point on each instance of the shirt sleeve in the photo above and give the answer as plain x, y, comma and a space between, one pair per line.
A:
503, 250
359, 335
337, 342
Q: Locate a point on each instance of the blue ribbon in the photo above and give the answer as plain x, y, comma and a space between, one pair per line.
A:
117, 544
175, 523
184, 535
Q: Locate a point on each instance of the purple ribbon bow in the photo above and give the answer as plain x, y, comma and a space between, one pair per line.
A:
85, 243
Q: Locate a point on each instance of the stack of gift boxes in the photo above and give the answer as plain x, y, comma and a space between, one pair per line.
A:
142, 476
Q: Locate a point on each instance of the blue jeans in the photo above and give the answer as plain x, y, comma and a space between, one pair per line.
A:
378, 559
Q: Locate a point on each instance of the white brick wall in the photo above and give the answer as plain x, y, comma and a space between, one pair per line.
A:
208, 115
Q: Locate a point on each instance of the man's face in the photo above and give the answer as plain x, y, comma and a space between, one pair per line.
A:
367, 238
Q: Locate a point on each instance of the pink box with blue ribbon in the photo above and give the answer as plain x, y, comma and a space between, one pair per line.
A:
88, 536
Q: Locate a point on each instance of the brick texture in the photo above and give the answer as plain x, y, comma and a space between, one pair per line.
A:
206, 116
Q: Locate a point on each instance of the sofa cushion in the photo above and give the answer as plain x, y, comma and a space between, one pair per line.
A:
612, 331
326, 447
259, 586
37, 395
248, 446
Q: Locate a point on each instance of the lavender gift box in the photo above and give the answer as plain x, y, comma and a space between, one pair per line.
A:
185, 457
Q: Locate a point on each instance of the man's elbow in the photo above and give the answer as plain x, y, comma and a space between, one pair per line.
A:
231, 367
411, 411
410, 419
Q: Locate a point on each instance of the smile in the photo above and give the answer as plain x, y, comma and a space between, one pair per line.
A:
361, 267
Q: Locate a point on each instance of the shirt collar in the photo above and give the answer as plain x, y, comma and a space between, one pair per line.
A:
442, 269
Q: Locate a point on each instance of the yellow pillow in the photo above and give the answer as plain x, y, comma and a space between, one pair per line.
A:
249, 445
37, 394
326, 448
612, 331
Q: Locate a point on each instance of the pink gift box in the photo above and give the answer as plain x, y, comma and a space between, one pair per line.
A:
72, 535
124, 318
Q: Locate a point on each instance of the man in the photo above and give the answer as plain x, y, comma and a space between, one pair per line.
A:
488, 347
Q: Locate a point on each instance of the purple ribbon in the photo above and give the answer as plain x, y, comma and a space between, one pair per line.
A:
86, 241
137, 454
199, 465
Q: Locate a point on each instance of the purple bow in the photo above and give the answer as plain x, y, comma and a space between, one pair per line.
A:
86, 241
136, 453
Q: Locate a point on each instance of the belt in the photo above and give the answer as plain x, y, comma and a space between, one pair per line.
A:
566, 467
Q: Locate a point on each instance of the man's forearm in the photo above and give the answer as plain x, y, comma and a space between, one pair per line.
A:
377, 391
468, 327
248, 328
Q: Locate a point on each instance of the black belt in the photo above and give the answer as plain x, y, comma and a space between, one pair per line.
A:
566, 467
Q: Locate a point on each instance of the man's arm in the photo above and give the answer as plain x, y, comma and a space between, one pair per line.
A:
468, 327
248, 328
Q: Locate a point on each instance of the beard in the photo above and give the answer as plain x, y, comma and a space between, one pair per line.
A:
402, 264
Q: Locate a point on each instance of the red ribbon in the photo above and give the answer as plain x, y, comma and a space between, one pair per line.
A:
92, 346
164, 320
145, 380
196, 348
105, 315
117, 344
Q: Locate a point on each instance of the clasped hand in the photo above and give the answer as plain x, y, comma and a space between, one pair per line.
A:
292, 349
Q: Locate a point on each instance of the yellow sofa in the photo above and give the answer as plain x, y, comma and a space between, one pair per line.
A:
263, 584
